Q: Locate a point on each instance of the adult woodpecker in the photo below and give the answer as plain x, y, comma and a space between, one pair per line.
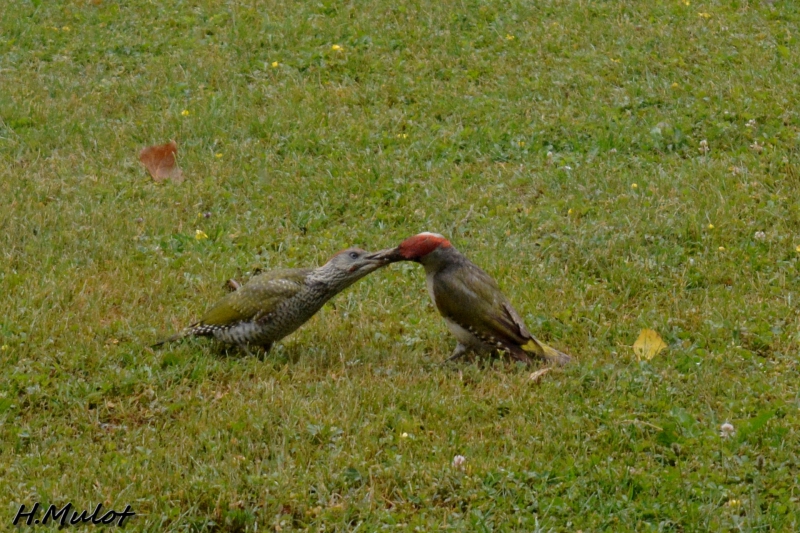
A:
273, 304
475, 310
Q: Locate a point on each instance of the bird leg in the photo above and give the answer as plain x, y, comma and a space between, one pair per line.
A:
265, 348
458, 353
261, 352
244, 348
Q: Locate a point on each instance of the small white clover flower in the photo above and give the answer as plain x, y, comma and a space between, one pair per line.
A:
751, 123
704, 146
726, 430
760, 236
458, 462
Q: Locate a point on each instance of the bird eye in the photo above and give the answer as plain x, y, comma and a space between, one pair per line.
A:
353, 255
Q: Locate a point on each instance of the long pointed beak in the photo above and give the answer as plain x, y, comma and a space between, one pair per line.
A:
389, 255
370, 263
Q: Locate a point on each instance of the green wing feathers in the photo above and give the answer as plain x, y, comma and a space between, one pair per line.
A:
258, 297
484, 309
479, 306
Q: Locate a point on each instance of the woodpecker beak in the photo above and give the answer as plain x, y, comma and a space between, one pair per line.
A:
389, 255
369, 263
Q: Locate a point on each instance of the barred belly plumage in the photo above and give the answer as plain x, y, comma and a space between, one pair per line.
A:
272, 327
242, 333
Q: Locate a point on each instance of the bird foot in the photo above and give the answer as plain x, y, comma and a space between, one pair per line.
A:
261, 350
458, 353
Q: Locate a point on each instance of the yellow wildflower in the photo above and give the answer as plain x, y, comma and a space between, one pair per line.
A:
218, 155
336, 48
200, 235
674, 85
721, 248
274, 64
797, 249
634, 186
185, 112
711, 226
510, 37
704, 15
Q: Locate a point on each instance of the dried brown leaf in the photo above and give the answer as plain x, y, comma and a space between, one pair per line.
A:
535, 377
160, 162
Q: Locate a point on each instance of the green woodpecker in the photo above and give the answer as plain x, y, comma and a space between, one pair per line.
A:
476, 312
273, 304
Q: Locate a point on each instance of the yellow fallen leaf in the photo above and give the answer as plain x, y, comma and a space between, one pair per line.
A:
648, 345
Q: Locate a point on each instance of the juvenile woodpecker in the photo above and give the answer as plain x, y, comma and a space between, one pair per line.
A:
476, 312
273, 304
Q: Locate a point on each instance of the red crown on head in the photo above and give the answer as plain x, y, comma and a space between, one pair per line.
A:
422, 244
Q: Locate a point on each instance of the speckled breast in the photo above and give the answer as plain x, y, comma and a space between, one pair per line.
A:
270, 328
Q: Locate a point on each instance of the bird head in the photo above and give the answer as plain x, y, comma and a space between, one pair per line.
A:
415, 248
356, 260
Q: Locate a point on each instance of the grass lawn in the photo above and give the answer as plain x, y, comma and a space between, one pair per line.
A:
614, 165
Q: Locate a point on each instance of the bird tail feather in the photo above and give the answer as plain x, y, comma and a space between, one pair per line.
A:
548, 353
554, 356
173, 338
